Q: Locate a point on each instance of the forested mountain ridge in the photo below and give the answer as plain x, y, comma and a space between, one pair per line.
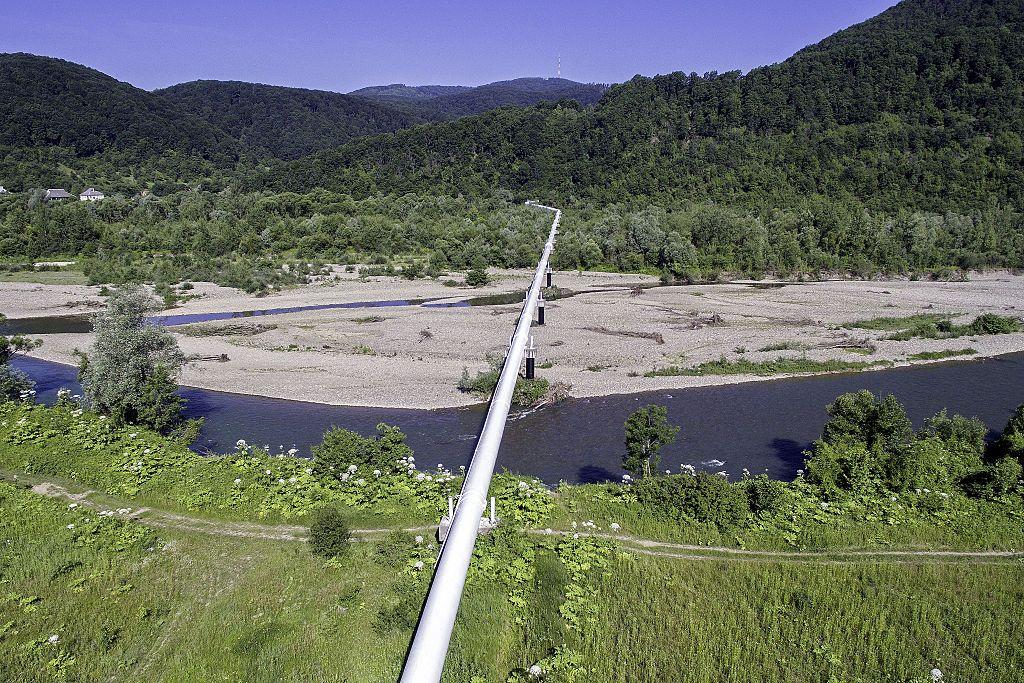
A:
400, 92
62, 123
449, 102
282, 122
51, 102
56, 115
919, 107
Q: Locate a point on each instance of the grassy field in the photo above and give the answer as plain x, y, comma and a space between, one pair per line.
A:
764, 368
46, 277
214, 582
665, 620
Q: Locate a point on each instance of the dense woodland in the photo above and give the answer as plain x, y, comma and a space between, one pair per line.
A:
285, 123
447, 102
894, 146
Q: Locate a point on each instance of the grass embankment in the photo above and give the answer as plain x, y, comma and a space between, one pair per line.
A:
46, 275
199, 606
939, 326
939, 355
764, 368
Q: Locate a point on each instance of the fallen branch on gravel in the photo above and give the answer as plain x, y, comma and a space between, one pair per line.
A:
654, 336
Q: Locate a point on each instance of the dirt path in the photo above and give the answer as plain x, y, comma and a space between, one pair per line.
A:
641, 546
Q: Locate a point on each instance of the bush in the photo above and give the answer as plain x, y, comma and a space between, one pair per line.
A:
329, 533
343, 448
763, 493
526, 393
477, 277
14, 384
704, 498
996, 480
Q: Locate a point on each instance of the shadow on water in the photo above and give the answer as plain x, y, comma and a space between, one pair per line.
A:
790, 452
590, 473
758, 426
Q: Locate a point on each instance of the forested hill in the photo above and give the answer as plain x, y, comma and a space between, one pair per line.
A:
448, 102
285, 123
919, 107
400, 92
54, 113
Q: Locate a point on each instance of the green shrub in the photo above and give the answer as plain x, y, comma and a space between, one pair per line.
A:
477, 277
704, 497
763, 493
329, 533
341, 449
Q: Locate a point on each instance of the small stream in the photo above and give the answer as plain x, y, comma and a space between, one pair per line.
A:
759, 426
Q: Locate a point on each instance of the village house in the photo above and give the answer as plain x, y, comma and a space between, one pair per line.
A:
91, 195
55, 194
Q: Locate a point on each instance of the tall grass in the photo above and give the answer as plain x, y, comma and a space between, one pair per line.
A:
764, 368
665, 620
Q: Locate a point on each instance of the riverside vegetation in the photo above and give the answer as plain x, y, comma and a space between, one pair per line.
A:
99, 587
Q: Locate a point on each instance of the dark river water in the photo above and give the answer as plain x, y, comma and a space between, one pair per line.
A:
759, 426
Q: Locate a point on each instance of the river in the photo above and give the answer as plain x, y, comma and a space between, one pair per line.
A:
758, 426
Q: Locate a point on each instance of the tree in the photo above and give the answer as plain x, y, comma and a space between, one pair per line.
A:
14, 384
129, 372
647, 432
881, 425
1011, 441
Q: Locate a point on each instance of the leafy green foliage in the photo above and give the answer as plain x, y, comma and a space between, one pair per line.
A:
284, 123
526, 393
84, 119
705, 498
987, 323
647, 432
940, 355
329, 533
342, 451
868, 444
477, 277
763, 368
14, 384
129, 372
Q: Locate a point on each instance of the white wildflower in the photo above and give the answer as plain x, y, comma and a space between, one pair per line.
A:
71, 526
419, 539
53, 639
418, 565
614, 526
72, 506
238, 481
936, 675
535, 671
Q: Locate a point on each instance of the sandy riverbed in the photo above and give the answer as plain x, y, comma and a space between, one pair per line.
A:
599, 342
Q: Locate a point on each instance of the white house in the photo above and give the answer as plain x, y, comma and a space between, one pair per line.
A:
91, 195
56, 193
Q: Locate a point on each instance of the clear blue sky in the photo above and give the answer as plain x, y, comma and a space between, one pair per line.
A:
345, 45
